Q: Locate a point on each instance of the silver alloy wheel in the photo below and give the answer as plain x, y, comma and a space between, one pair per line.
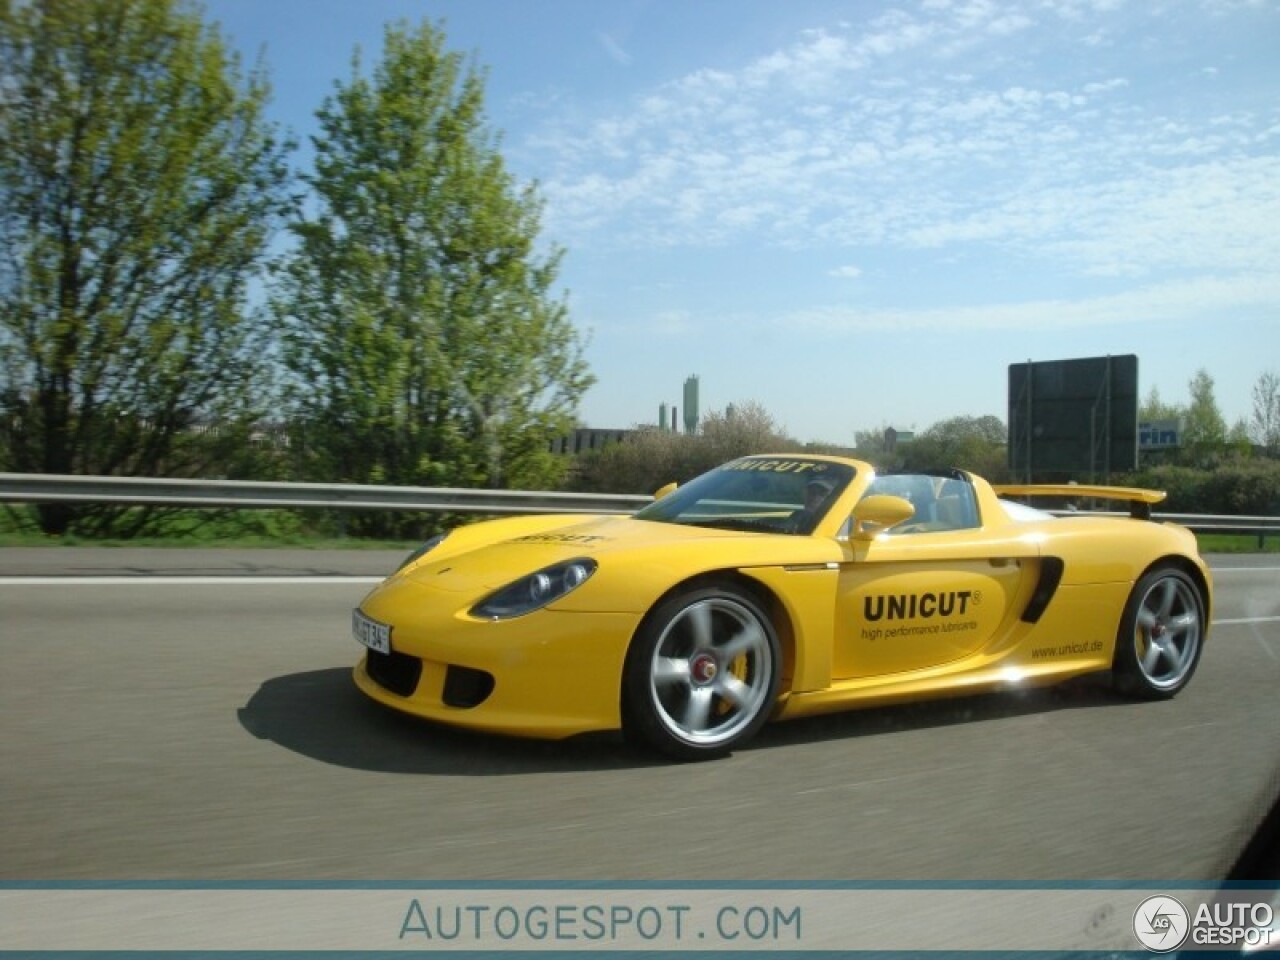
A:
712, 671
1167, 632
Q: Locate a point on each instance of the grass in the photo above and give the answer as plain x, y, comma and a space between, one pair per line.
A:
228, 543
243, 529
1238, 543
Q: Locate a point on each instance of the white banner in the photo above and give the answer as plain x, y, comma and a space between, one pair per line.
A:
236, 917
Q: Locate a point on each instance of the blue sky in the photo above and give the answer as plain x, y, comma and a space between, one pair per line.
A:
858, 214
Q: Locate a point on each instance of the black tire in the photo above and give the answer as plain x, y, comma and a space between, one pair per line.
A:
1161, 635
702, 674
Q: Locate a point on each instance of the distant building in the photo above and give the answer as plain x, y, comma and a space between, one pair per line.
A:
587, 438
894, 437
691, 405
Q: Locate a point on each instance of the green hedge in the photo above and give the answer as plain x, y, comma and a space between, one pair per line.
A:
1239, 487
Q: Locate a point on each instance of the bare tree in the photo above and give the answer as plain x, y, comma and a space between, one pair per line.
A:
1264, 425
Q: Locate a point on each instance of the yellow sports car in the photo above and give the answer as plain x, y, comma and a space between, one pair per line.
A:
775, 587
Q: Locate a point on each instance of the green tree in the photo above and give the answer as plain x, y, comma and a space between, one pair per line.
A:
741, 429
1154, 408
651, 458
139, 186
1204, 429
418, 311
647, 459
972, 443
873, 446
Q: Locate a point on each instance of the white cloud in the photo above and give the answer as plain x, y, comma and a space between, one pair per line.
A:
1115, 83
614, 49
1166, 303
671, 324
1009, 25
849, 272
869, 135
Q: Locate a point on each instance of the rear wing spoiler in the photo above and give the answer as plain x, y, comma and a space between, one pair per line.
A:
1139, 499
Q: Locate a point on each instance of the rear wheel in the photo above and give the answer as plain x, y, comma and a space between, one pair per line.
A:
701, 675
1161, 634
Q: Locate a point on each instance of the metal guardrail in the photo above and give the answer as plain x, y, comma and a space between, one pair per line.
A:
242, 494
1198, 522
249, 494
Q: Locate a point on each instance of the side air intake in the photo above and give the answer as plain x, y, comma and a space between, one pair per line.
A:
1050, 576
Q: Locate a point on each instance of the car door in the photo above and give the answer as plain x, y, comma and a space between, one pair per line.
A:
916, 601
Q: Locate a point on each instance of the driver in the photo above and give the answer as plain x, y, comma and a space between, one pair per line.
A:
815, 495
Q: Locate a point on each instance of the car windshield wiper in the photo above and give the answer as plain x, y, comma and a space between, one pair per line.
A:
734, 523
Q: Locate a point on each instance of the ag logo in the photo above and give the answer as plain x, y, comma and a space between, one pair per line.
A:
1160, 923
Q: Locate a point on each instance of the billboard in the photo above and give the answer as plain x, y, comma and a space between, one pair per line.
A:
1073, 419
1159, 434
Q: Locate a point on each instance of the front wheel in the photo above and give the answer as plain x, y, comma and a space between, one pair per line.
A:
1161, 635
702, 674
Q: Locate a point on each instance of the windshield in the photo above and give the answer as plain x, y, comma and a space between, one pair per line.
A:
763, 494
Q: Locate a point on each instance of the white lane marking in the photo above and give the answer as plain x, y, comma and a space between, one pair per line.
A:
1217, 570
1236, 622
178, 581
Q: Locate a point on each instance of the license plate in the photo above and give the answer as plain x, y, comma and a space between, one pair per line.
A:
374, 635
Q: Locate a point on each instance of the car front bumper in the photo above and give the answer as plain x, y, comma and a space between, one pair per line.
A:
548, 674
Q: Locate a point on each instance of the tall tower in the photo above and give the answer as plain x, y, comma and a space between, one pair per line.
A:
691, 405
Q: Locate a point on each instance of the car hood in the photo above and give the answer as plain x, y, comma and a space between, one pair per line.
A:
621, 546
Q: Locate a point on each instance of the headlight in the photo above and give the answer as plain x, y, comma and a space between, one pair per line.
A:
425, 548
536, 590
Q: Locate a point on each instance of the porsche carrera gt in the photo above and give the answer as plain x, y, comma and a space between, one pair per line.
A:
774, 587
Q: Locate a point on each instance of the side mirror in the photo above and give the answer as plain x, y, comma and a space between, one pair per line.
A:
876, 514
663, 491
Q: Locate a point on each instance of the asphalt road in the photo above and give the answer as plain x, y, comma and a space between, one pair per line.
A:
207, 728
